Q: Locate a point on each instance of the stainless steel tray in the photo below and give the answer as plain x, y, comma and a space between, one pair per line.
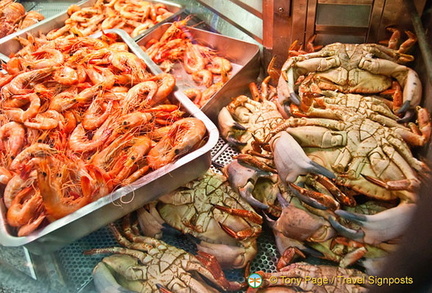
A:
126, 199
244, 56
9, 44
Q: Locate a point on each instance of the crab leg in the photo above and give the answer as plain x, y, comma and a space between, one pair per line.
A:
254, 217
383, 226
318, 199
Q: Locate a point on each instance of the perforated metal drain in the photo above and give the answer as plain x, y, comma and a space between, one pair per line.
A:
78, 267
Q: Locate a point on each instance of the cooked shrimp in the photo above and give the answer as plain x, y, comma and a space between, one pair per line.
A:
26, 206
203, 77
193, 94
183, 136
20, 115
96, 114
101, 76
129, 63
60, 201
48, 58
166, 83
80, 142
12, 138
49, 119
218, 65
139, 96
63, 101
193, 60
148, 23
18, 85
26, 178
140, 147
32, 151
66, 75
130, 121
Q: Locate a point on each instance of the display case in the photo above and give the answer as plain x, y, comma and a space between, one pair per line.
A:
263, 30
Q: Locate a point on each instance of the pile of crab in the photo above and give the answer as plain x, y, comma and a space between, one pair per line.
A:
327, 155
325, 158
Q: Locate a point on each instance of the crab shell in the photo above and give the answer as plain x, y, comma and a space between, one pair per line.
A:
207, 208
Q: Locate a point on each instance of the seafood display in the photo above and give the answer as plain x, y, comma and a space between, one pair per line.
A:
347, 178
176, 47
14, 17
80, 118
145, 264
208, 209
134, 17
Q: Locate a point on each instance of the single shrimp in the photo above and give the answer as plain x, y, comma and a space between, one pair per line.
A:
139, 96
36, 150
194, 94
80, 142
135, 176
203, 77
19, 181
166, 83
193, 60
49, 58
14, 66
218, 65
182, 137
129, 63
60, 201
47, 120
101, 76
140, 147
18, 85
103, 159
96, 114
66, 75
25, 206
20, 115
63, 101
12, 138
130, 121
148, 23
32, 225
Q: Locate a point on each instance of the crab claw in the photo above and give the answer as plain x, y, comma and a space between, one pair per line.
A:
242, 179
227, 124
104, 272
285, 88
291, 161
381, 227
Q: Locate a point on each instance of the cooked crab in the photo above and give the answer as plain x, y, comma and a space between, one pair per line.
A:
207, 208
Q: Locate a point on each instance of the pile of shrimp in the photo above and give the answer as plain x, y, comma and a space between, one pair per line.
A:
79, 118
208, 70
133, 16
13, 17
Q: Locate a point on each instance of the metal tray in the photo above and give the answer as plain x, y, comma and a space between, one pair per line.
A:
126, 199
9, 44
244, 56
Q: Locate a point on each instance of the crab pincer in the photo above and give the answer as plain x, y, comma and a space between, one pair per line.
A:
291, 161
378, 228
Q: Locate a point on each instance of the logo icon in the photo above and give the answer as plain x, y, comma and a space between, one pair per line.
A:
254, 280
